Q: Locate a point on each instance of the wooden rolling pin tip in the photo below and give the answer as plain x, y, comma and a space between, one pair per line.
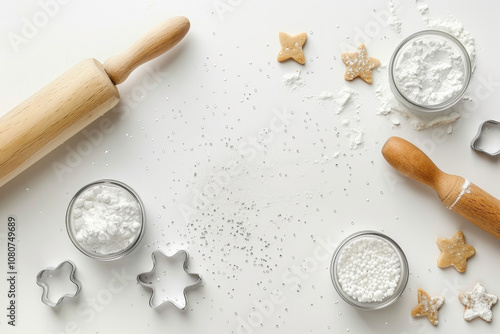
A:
456, 193
409, 160
154, 43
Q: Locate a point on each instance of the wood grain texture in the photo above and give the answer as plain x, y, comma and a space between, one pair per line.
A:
480, 208
458, 194
74, 100
52, 115
157, 41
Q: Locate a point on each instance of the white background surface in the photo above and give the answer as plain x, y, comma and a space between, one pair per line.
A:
269, 231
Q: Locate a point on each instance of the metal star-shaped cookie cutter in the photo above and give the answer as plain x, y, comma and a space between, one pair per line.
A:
146, 279
44, 274
474, 141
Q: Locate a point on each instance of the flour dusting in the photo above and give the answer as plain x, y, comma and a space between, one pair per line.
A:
344, 98
455, 28
394, 21
450, 25
356, 138
323, 96
388, 105
423, 9
293, 80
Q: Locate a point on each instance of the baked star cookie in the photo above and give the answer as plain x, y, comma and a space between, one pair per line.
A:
359, 64
478, 303
291, 47
428, 306
454, 252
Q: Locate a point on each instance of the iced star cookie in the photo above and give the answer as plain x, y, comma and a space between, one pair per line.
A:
428, 306
359, 64
478, 303
291, 47
454, 252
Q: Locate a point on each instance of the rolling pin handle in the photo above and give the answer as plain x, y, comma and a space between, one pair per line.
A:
409, 160
456, 193
154, 43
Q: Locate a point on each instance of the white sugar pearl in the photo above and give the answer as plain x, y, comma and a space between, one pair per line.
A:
368, 269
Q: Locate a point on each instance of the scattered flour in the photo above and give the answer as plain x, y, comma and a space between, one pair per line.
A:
455, 28
293, 80
465, 190
394, 21
450, 25
344, 98
356, 137
388, 105
323, 96
326, 159
368, 269
423, 123
423, 9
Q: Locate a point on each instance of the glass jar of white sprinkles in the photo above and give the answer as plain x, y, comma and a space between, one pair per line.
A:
369, 270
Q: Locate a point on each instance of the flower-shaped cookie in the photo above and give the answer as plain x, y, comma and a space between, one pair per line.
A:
167, 281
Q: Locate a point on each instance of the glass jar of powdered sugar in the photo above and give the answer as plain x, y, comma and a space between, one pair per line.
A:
369, 270
105, 220
430, 71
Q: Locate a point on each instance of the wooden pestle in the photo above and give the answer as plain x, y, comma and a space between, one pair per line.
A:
75, 99
457, 193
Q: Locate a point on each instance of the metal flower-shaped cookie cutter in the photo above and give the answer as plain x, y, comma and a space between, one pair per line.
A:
44, 274
146, 279
474, 142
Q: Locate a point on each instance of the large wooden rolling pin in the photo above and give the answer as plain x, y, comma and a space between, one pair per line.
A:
457, 193
75, 99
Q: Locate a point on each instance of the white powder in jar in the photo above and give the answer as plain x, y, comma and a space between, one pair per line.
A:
389, 106
106, 219
455, 28
368, 269
430, 72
